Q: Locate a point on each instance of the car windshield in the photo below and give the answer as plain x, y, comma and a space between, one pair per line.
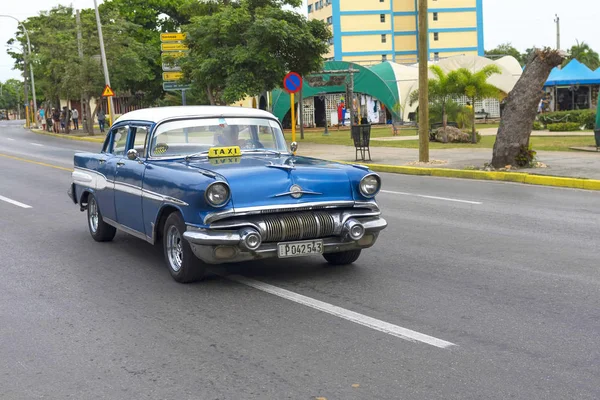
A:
196, 136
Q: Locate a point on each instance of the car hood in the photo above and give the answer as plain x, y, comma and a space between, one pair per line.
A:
260, 180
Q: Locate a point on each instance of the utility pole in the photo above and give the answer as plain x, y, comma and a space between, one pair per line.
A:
557, 20
25, 91
104, 64
423, 82
87, 125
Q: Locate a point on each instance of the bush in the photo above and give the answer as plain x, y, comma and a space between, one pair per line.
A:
538, 126
526, 157
582, 117
564, 127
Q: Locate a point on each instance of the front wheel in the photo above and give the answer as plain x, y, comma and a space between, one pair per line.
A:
100, 230
343, 257
183, 265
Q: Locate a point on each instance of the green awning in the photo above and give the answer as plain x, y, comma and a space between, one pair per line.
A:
378, 81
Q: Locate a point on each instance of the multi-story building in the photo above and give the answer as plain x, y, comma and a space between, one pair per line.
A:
370, 31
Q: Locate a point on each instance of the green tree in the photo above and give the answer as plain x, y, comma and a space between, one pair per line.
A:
442, 89
583, 53
243, 48
506, 49
11, 94
474, 85
61, 73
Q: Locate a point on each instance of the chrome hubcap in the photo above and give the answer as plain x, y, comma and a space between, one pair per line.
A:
93, 215
174, 248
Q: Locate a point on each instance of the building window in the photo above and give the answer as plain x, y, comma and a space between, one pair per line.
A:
383, 39
329, 21
331, 42
435, 16
384, 58
310, 8
436, 56
327, 2
436, 36
382, 17
381, 1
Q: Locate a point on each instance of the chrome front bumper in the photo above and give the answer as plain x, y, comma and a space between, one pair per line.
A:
218, 246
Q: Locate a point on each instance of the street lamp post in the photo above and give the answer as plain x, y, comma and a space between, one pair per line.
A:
30, 63
104, 64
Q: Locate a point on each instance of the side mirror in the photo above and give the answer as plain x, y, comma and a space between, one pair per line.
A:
132, 154
294, 147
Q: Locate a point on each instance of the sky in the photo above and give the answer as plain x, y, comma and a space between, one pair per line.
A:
524, 23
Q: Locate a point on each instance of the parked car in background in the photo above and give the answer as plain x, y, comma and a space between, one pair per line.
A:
219, 185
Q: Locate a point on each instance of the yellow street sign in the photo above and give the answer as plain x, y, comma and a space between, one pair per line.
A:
172, 76
173, 46
172, 37
174, 54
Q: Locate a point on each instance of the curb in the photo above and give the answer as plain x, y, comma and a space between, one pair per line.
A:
62, 136
518, 177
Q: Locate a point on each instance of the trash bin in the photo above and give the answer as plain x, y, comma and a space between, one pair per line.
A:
361, 135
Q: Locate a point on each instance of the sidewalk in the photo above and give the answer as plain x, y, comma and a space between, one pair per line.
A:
489, 132
559, 163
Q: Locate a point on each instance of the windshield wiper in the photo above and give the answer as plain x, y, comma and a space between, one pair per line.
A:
199, 154
268, 151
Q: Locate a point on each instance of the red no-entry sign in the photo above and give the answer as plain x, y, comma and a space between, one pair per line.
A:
292, 83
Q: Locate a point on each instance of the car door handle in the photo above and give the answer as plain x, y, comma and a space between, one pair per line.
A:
102, 161
120, 163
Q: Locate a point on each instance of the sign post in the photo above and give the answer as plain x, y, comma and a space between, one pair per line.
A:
172, 45
108, 92
292, 83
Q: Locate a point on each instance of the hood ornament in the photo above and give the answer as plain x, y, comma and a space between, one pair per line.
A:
296, 192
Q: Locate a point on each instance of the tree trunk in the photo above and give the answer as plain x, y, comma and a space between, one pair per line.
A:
521, 106
473, 130
89, 124
211, 98
444, 116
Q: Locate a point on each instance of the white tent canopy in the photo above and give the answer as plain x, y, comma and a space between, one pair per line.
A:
407, 76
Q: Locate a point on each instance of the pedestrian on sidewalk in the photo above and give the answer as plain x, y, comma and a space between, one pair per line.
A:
101, 119
75, 119
43, 118
56, 120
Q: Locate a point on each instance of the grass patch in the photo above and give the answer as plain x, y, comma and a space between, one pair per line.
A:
543, 143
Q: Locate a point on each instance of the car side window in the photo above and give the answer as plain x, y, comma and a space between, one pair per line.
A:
140, 134
120, 141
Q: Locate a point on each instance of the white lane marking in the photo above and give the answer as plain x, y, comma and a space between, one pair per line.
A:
432, 197
16, 203
36, 144
11, 139
378, 325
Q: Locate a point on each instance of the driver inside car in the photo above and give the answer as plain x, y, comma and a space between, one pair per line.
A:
230, 137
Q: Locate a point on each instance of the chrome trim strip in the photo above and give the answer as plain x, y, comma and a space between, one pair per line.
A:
301, 192
96, 180
281, 208
128, 230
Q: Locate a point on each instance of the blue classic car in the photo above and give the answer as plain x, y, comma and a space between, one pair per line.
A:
218, 185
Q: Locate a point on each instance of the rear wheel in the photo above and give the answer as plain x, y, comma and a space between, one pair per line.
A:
100, 230
183, 265
343, 257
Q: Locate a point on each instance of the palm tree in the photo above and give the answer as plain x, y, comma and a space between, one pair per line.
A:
583, 53
474, 85
442, 89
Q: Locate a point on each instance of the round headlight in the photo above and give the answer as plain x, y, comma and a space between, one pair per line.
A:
370, 185
217, 194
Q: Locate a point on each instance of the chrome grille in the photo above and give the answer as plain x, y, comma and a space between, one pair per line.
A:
297, 226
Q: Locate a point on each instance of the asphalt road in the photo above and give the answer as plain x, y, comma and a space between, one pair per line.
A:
508, 274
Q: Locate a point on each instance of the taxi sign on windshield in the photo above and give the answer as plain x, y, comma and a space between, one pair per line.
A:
233, 151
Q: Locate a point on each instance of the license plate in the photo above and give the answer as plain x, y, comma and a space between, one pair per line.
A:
299, 249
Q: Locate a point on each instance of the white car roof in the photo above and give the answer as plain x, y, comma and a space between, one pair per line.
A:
157, 114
